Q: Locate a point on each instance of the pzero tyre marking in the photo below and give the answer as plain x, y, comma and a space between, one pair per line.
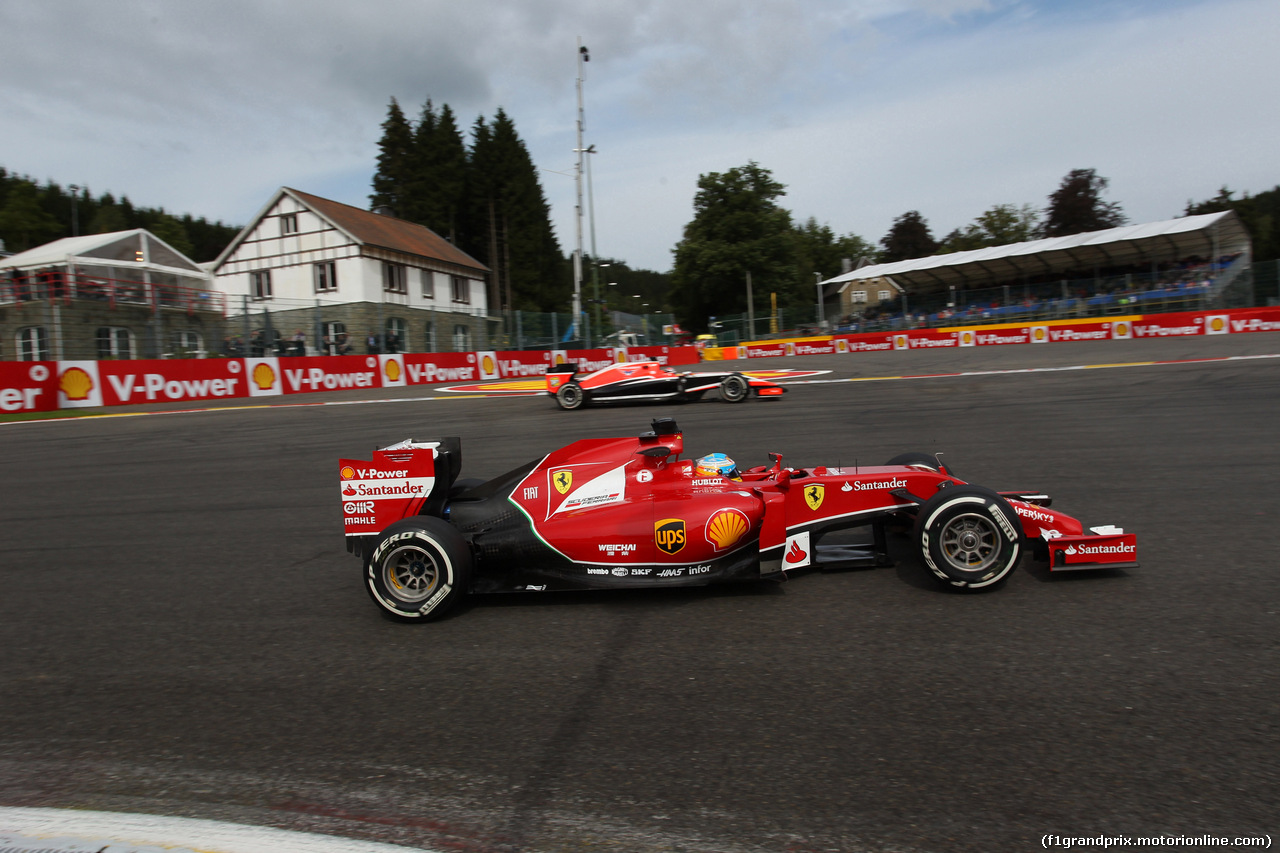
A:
418, 569
570, 395
734, 389
969, 536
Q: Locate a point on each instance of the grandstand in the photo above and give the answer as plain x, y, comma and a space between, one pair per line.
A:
1189, 263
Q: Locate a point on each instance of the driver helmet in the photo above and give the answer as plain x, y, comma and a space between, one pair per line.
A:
716, 465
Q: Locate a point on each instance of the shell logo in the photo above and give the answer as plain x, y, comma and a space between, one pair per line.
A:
966, 338
1120, 330
264, 377
393, 370
900, 342
726, 528
76, 384
347, 472
1217, 324
1039, 333
487, 365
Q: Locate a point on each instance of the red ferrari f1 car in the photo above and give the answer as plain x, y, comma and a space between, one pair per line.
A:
649, 381
625, 513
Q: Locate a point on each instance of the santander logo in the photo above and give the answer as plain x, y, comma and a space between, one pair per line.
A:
796, 554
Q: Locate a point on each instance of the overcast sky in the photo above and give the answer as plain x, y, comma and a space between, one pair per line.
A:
864, 109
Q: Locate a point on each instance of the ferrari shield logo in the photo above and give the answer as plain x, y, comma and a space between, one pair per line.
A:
669, 535
814, 494
562, 480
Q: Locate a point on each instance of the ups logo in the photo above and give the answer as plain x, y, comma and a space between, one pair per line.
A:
669, 535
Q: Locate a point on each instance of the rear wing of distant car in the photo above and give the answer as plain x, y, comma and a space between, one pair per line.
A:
558, 374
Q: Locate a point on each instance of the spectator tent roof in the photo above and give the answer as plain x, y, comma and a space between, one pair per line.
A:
119, 254
1208, 235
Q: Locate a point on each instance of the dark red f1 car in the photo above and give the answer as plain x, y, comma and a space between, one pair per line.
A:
624, 513
650, 381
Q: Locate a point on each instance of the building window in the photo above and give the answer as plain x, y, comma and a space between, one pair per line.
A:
115, 342
858, 296
260, 284
187, 344
884, 296
288, 224
461, 290
461, 339
33, 344
428, 284
326, 276
429, 337
394, 335
393, 278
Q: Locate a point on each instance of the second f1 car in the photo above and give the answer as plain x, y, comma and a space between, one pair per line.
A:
627, 513
650, 381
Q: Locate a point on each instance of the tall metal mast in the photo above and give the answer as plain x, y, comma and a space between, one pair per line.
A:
583, 58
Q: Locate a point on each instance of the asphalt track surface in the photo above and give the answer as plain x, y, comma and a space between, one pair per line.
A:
184, 634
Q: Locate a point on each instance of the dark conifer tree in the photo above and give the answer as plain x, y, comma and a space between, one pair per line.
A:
393, 178
1077, 206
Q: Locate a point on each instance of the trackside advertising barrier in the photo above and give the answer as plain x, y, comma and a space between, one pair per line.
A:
45, 386
28, 386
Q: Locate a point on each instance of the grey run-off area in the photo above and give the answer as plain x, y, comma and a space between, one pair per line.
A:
185, 634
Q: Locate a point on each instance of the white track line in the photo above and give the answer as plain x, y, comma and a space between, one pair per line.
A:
73, 831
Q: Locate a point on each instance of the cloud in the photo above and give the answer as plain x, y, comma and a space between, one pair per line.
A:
864, 109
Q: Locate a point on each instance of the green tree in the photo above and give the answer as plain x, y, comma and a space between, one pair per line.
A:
908, 238
1077, 206
738, 228
171, 231
24, 223
108, 217
819, 250
1260, 215
447, 172
394, 175
820, 255
1000, 226
511, 230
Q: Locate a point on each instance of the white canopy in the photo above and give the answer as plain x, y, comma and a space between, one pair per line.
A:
1210, 235
125, 254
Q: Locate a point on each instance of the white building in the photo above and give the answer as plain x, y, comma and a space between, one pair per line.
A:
330, 269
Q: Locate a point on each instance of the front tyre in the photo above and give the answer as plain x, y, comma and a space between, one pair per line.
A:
734, 388
419, 568
570, 395
969, 536
929, 460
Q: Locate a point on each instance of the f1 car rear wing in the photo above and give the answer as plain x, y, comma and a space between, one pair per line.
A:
558, 374
404, 479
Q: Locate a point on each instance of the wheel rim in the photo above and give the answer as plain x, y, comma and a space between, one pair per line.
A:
971, 542
569, 395
411, 573
734, 388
